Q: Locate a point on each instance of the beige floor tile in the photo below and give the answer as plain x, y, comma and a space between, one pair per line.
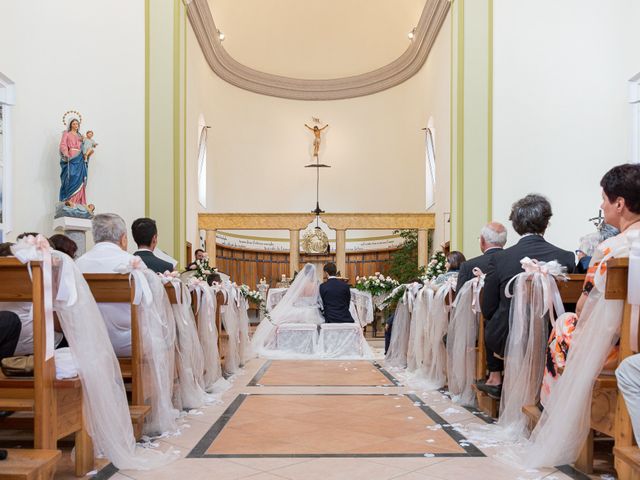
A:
481, 469
196, 469
339, 469
268, 464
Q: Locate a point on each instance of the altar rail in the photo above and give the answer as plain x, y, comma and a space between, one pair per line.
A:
249, 266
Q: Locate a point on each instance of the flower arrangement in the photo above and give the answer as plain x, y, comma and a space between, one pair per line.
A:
436, 266
203, 269
376, 284
255, 297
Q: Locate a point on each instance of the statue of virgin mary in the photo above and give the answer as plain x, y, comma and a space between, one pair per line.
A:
73, 174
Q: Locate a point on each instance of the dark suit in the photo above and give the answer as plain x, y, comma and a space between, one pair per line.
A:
336, 298
10, 327
503, 266
481, 262
154, 263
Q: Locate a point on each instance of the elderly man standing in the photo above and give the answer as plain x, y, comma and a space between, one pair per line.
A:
530, 217
108, 253
493, 237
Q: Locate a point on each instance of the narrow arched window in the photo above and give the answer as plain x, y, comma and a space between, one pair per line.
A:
430, 167
202, 163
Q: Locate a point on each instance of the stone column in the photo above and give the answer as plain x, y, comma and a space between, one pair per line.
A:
341, 252
210, 241
423, 246
294, 251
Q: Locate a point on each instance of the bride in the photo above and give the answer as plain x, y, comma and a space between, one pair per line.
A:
301, 304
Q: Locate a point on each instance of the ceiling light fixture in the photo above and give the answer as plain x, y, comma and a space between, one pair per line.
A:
411, 34
220, 36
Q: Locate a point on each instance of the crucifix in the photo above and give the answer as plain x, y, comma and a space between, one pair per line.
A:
598, 221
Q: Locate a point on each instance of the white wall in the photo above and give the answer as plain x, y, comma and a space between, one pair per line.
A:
85, 55
561, 117
258, 145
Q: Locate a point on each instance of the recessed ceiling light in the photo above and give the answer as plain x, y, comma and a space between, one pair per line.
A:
221, 36
411, 34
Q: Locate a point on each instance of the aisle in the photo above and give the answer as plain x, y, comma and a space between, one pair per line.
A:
329, 420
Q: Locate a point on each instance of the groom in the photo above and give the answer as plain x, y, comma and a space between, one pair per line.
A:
336, 297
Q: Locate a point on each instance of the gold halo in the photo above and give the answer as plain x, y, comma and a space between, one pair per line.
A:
64, 117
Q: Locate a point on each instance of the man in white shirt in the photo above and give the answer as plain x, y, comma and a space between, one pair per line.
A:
109, 253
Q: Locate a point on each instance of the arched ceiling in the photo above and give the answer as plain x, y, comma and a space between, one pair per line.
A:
316, 39
326, 50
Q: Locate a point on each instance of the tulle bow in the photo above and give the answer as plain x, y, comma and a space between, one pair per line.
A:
37, 248
174, 279
476, 286
546, 273
447, 288
135, 269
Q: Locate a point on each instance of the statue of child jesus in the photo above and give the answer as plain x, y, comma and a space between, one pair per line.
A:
88, 145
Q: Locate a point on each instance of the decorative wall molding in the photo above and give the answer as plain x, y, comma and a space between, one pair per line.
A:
392, 74
299, 221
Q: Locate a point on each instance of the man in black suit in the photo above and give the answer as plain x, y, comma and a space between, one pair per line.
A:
145, 234
493, 236
530, 218
336, 297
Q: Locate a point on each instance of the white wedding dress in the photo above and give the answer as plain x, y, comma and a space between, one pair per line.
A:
300, 305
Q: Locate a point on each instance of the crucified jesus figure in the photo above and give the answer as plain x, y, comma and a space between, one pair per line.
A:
316, 141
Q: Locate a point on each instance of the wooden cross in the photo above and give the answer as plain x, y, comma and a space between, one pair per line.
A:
599, 220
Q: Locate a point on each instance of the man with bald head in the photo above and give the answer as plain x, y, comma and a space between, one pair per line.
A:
493, 237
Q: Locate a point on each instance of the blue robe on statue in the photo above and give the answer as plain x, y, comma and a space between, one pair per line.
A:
73, 176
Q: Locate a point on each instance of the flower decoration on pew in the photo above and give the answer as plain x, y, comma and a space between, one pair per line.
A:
376, 284
436, 266
255, 297
394, 297
203, 269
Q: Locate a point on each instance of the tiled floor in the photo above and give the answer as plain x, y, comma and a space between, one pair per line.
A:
320, 373
282, 429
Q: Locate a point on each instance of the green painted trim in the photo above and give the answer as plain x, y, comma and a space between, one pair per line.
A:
490, 119
147, 97
460, 131
451, 130
184, 136
176, 129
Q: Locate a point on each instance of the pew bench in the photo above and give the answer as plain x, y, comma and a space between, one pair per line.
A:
51, 408
27, 464
116, 288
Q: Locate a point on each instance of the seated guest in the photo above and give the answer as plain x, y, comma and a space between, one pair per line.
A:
10, 327
109, 253
200, 255
454, 260
214, 277
64, 244
588, 244
622, 182
145, 234
24, 311
628, 376
493, 237
530, 218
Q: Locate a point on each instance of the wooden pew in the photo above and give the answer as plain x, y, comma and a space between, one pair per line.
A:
53, 407
570, 291
223, 338
116, 288
27, 464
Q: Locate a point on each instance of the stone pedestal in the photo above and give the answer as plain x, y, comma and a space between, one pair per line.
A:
74, 228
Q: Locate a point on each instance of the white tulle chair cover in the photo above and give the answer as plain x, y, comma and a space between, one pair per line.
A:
461, 341
565, 422
435, 356
243, 330
419, 314
189, 355
535, 298
230, 315
104, 397
396, 356
361, 307
214, 382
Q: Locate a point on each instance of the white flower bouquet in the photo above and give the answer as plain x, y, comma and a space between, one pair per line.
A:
376, 284
436, 266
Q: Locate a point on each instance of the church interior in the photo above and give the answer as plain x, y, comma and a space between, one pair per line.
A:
273, 239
